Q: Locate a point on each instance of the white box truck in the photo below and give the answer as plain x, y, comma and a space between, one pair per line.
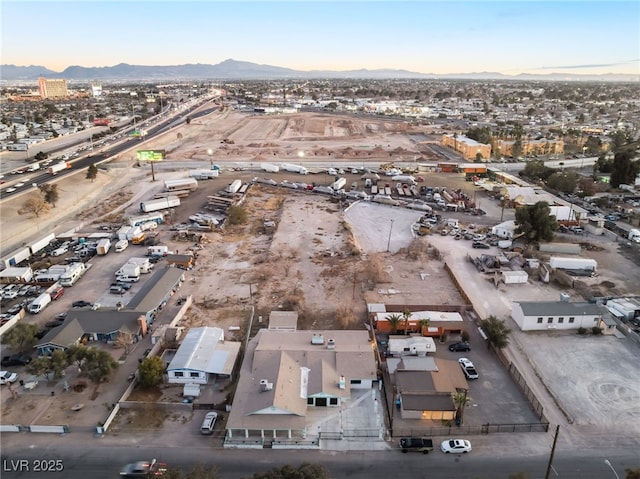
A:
39, 303
143, 263
339, 184
104, 245
295, 168
159, 204
233, 187
269, 167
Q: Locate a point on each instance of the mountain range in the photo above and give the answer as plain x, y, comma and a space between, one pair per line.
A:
240, 70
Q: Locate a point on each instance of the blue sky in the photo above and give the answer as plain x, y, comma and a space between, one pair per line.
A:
511, 37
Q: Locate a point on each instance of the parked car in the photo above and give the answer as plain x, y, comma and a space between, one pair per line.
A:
7, 377
416, 444
81, 304
143, 469
468, 368
455, 446
116, 289
15, 309
209, 423
460, 346
480, 245
15, 360
57, 293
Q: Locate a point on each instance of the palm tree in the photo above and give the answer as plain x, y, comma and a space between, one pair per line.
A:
394, 322
460, 400
423, 323
496, 331
406, 316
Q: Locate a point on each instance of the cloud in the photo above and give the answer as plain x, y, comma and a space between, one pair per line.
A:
591, 65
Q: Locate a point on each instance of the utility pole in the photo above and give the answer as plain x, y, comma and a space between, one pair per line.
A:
553, 450
389, 241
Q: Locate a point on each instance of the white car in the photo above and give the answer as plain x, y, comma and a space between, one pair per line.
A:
10, 190
19, 185
7, 377
455, 446
468, 368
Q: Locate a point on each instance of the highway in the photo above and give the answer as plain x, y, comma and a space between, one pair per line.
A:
101, 154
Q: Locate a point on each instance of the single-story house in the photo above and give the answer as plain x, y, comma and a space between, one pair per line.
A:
425, 387
184, 261
545, 315
81, 327
439, 322
285, 373
504, 230
203, 354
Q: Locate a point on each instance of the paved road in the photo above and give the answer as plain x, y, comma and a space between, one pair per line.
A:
97, 460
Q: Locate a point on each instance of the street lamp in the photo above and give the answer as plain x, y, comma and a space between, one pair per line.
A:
389, 241
210, 153
608, 463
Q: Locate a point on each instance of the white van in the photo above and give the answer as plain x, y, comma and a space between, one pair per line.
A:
39, 303
209, 423
121, 245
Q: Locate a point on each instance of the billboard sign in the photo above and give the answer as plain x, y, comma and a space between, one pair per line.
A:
150, 155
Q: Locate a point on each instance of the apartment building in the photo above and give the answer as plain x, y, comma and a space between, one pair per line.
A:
468, 148
53, 88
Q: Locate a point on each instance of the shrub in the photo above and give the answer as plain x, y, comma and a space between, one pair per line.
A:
596, 331
582, 331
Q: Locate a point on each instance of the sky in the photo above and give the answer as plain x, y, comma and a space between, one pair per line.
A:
425, 36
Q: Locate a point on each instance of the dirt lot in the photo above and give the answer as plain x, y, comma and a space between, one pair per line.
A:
320, 259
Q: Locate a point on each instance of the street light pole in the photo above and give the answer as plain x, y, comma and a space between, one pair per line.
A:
389, 241
608, 463
210, 153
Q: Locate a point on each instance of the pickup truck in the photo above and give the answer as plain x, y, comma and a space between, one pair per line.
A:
416, 444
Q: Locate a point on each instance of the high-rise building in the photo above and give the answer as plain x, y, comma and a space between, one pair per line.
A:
52, 88
96, 89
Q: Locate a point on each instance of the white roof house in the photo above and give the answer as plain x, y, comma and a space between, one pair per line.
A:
203, 353
550, 315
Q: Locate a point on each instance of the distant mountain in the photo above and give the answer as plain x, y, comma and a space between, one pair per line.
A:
239, 70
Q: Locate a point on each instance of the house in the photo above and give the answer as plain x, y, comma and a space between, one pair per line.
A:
202, 356
81, 327
427, 322
109, 325
425, 386
545, 315
284, 374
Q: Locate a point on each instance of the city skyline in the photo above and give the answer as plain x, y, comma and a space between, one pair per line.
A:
579, 37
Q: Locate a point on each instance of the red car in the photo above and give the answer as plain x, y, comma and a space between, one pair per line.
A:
57, 293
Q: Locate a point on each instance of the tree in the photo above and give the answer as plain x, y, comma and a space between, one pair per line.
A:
36, 205
237, 215
198, 472
633, 473
423, 323
460, 400
536, 170
496, 331
51, 193
394, 321
565, 182
51, 367
480, 134
150, 371
624, 170
536, 222
21, 337
92, 172
305, 471
76, 354
406, 316
97, 365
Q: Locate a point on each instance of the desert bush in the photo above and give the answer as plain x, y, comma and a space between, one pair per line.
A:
582, 331
596, 331
374, 269
346, 317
